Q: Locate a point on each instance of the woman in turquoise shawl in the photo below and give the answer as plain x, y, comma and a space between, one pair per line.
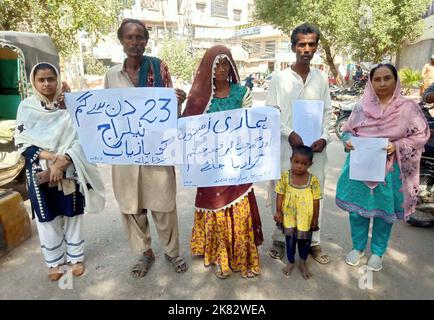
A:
382, 113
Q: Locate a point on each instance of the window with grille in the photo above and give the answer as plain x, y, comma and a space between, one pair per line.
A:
284, 46
219, 8
201, 6
237, 15
150, 4
270, 49
256, 47
430, 10
251, 12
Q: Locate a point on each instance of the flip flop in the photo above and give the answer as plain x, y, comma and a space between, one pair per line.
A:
250, 275
219, 273
277, 250
320, 257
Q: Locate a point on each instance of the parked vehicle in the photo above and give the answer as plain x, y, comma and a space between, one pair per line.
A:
424, 215
342, 112
341, 94
19, 52
266, 83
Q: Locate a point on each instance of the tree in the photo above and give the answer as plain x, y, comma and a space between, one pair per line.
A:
391, 22
182, 62
370, 29
93, 66
61, 19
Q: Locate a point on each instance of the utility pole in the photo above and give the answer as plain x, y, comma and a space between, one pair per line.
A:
163, 15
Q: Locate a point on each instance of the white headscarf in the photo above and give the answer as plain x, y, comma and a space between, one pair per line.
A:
47, 102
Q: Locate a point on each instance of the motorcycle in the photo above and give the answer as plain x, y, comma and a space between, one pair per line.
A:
342, 112
424, 214
342, 94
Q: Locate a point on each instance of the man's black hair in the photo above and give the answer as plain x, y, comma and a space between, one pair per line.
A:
128, 20
304, 28
303, 150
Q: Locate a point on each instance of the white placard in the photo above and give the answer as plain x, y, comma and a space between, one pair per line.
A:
231, 147
368, 159
126, 126
307, 119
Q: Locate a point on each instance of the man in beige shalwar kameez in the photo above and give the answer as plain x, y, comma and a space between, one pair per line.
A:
139, 188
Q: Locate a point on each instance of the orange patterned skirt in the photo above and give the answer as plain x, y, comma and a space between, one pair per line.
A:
225, 237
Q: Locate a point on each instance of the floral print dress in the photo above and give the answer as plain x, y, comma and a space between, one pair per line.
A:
225, 236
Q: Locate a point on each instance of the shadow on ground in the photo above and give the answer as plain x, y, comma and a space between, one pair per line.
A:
408, 265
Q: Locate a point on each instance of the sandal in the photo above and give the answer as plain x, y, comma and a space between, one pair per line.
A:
178, 262
250, 274
320, 257
55, 273
219, 273
77, 268
277, 250
140, 269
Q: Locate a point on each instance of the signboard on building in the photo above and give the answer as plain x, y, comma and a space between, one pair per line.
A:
248, 31
213, 33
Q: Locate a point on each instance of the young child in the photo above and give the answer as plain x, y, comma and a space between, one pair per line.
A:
298, 195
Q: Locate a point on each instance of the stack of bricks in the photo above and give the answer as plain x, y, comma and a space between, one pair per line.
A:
14, 221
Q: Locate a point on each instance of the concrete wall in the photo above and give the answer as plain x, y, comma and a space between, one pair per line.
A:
415, 56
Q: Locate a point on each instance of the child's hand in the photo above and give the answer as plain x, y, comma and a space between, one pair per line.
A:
314, 225
390, 148
278, 217
348, 146
65, 88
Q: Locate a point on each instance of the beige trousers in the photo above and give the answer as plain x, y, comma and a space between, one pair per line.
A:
139, 234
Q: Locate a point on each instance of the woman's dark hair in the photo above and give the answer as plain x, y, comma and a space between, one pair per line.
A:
304, 28
44, 66
387, 65
128, 20
303, 150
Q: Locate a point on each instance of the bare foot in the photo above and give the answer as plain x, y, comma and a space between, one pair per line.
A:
288, 269
304, 270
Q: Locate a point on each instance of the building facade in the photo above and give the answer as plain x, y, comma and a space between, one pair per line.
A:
257, 48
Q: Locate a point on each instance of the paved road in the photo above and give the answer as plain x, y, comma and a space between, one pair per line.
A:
408, 265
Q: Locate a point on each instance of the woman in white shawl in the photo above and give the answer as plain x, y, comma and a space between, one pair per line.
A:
47, 139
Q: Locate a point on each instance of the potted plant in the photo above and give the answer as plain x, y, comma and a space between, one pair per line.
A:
410, 79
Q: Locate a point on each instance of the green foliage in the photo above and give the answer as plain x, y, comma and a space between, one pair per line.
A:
368, 29
94, 67
61, 19
393, 21
410, 79
181, 61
